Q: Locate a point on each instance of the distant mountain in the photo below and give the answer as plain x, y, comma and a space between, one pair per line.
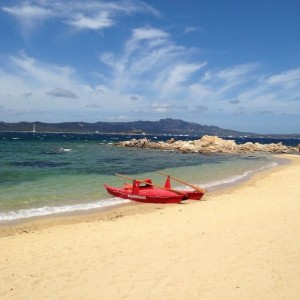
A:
164, 126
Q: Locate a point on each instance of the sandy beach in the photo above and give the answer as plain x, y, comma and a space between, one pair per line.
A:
238, 243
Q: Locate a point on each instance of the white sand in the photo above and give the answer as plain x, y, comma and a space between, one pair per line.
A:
242, 243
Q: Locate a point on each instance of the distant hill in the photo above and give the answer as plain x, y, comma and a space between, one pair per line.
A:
164, 126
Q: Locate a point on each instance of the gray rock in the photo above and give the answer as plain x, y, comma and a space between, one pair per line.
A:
208, 144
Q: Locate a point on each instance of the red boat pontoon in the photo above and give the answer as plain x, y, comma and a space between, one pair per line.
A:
190, 194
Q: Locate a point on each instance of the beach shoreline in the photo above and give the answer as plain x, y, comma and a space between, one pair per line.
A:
241, 242
120, 210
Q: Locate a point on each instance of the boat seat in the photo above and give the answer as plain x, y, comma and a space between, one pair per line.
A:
127, 186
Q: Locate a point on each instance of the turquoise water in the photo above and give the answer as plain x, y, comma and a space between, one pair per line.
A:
51, 174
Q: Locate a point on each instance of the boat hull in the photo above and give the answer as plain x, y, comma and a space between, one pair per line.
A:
193, 195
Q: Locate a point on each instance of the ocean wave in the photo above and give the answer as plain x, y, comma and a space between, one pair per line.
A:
237, 178
51, 210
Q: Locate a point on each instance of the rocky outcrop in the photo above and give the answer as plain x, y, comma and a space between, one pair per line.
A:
208, 144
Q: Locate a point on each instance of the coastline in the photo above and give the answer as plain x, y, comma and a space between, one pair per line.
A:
55, 182
241, 242
12, 227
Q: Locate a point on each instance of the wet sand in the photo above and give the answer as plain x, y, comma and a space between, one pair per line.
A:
238, 243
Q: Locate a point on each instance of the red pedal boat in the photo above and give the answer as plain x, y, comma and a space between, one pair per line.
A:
144, 191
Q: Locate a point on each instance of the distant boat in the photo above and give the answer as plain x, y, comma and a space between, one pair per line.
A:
33, 128
64, 149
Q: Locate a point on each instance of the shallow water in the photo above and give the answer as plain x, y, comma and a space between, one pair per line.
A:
42, 174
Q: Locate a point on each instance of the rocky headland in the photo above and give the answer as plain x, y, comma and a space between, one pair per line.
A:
208, 144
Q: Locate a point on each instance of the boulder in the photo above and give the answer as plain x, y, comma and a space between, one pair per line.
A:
208, 144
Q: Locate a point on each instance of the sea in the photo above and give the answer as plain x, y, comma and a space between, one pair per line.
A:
47, 174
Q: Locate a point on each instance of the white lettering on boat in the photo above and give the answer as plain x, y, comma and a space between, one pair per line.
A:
137, 197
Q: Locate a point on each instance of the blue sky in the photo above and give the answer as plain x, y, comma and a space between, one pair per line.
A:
230, 63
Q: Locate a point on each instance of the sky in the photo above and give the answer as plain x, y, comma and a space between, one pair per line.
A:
229, 63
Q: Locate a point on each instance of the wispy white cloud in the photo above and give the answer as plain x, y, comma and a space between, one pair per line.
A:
148, 34
287, 79
180, 74
226, 79
92, 15
189, 29
152, 62
160, 107
277, 91
36, 72
119, 118
26, 11
100, 21
231, 73
29, 15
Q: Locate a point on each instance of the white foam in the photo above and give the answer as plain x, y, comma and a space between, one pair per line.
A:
236, 178
50, 210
